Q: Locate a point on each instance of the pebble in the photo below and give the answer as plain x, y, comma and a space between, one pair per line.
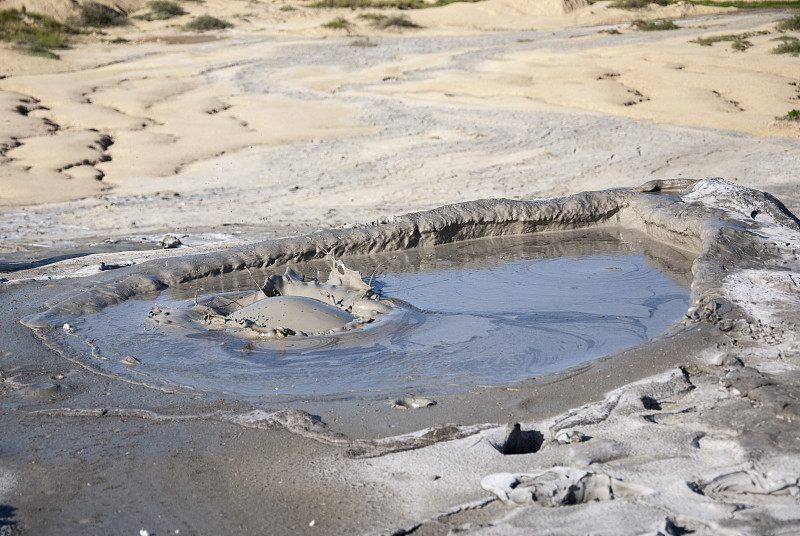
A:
170, 242
130, 361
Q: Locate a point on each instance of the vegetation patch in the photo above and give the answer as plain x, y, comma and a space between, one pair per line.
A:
162, 10
288, 8
738, 41
637, 4
339, 23
396, 21
206, 23
385, 4
791, 115
741, 46
100, 16
789, 45
33, 33
654, 25
789, 25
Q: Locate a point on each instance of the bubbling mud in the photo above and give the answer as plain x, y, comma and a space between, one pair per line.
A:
285, 306
476, 314
468, 296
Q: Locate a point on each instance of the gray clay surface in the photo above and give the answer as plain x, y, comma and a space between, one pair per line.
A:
694, 431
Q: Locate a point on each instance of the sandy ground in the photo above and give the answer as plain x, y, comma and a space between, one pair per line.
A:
280, 110
280, 126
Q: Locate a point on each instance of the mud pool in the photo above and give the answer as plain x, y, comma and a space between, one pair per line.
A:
698, 423
475, 314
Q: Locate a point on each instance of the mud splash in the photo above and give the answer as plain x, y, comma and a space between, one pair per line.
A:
284, 306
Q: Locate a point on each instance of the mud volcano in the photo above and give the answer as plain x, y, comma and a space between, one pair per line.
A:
468, 296
691, 430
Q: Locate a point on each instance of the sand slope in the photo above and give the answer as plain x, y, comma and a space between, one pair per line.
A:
64, 10
282, 108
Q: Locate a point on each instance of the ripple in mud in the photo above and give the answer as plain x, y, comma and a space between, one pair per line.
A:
480, 313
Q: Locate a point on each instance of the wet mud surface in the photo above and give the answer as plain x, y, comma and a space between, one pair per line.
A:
694, 430
480, 313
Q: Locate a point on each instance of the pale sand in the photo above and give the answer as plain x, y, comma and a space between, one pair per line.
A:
271, 86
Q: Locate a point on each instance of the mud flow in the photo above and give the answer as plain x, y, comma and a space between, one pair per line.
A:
478, 313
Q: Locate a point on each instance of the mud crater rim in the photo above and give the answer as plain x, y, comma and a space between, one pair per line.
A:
419, 343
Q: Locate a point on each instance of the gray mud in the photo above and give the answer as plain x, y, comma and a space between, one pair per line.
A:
693, 430
472, 314
539, 323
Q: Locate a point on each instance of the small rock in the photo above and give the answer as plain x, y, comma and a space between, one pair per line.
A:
68, 328
130, 361
413, 402
170, 242
566, 437
104, 266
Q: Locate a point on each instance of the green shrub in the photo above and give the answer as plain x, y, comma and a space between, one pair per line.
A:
33, 33
339, 23
380, 20
637, 4
654, 26
205, 23
740, 41
99, 16
788, 46
789, 25
792, 115
741, 46
398, 4
162, 10
397, 21
288, 8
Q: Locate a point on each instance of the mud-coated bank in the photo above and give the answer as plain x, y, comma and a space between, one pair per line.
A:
693, 430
